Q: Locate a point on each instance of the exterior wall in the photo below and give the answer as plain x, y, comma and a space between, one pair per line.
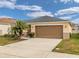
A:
4, 29
66, 27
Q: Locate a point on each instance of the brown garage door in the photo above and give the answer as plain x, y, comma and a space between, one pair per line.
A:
55, 31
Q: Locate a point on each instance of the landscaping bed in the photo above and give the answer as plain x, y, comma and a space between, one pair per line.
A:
69, 46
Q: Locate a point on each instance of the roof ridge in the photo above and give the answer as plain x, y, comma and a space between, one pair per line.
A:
46, 19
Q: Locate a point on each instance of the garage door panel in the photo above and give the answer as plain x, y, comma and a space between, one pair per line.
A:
49, 31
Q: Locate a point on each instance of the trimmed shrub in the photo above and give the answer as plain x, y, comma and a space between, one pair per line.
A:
31, 34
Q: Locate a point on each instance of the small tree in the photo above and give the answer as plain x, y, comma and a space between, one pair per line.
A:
18, 28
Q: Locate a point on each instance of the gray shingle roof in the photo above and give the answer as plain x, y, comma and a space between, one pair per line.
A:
46, 19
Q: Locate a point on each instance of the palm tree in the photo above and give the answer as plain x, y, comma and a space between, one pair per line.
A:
18, 28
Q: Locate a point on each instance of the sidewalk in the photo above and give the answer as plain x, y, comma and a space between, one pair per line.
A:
61, 55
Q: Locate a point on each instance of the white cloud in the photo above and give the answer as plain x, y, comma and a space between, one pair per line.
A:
13, 1
69, 17
66, 1
32, 7
66, 17
77, 1
12, 5
39, 14
5, 17
68, 11
76, 20
7, 4
55, 1
72, 18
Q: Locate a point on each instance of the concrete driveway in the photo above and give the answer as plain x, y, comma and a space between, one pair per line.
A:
35, 47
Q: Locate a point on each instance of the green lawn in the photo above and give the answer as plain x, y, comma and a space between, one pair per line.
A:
69, 46
7, 40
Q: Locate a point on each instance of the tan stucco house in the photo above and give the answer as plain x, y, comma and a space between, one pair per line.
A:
50, 27
5, 25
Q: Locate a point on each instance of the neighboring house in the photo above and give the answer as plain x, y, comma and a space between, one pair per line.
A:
5, 25
50, 27
75, 28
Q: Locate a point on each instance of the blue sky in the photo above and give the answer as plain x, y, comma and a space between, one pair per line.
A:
29, 9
